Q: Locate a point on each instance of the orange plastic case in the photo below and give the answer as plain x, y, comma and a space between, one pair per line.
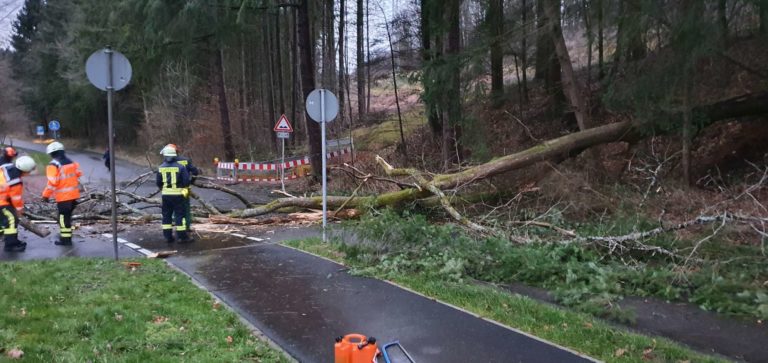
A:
355, 348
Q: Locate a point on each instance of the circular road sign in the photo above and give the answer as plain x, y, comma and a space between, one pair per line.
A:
97, 69
314, 104
54, 125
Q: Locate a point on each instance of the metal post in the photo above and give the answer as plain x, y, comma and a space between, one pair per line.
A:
282, 167
110, 129
322, 138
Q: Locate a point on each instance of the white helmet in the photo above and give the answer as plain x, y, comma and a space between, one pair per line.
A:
168, 150
53, 147
25, 164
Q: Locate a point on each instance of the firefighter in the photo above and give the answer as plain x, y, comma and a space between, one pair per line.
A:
64, 184
173, 180
11, 202
9, 153
193, 172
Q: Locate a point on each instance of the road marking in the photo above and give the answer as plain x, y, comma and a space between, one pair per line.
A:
257, 239
238, 235
145, 251
131, 245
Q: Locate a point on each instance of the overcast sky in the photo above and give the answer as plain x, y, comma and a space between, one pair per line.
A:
8, 11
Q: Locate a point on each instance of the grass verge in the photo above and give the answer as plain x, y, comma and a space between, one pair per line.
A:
96, 310
578, 331
42, 160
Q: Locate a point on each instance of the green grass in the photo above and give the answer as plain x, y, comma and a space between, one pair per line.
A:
387, 133
42, 160
578, 331
97, 310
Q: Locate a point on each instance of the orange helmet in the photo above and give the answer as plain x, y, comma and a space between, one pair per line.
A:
10, 152
174, 146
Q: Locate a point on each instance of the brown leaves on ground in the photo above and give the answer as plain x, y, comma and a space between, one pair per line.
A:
158, 319
216, 305
230, 340
15, 353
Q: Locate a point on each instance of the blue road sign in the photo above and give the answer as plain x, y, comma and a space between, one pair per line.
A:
54, 125
40, 130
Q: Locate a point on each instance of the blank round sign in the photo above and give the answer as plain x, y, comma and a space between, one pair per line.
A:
313, 105
97, 69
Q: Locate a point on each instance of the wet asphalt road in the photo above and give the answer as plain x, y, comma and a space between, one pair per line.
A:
302, 302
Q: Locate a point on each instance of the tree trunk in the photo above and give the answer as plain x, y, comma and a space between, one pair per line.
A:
307, 85
269, 121
402, 146
722, 12
600, 36
342, 58
453, 104
242, 91
763, 9
686, 157
368, 59
547, 66
226, 129
524, 51
279, 64
496, 21
571, 85
294, 75
426, 44
360, 63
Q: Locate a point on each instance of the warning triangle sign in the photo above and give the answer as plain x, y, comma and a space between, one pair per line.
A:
283, 125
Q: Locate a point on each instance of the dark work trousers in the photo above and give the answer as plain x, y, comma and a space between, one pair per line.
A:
188, 212
9, 220
65, 220
173, 215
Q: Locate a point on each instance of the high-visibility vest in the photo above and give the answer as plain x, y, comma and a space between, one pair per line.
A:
11, 187
63, 181
172, 178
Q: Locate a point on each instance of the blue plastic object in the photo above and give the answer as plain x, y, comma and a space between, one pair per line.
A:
386, 356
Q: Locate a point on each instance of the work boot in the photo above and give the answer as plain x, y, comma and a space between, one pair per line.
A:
184, 237
168, 234
18, 247
63, 242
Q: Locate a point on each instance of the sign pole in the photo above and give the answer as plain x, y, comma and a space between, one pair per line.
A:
322, 138
110, 129
282, 167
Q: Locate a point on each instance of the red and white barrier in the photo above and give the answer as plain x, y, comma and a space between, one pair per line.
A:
230, 168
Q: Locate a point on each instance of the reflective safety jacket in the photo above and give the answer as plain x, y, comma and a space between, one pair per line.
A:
187, 163
11, 187
63, 180
172, 177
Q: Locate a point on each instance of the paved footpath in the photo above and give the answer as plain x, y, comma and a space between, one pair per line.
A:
302, 302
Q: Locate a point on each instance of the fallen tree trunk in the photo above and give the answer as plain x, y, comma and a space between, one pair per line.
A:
39, 231
559, 148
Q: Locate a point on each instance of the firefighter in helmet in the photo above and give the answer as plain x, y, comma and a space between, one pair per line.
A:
193, 172
173, 180
9, 153
11, 202
64, 185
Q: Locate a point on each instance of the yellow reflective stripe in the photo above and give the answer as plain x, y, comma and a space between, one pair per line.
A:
181, 228
172, 191
67, 189
61, 221
167, 226
11, 229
